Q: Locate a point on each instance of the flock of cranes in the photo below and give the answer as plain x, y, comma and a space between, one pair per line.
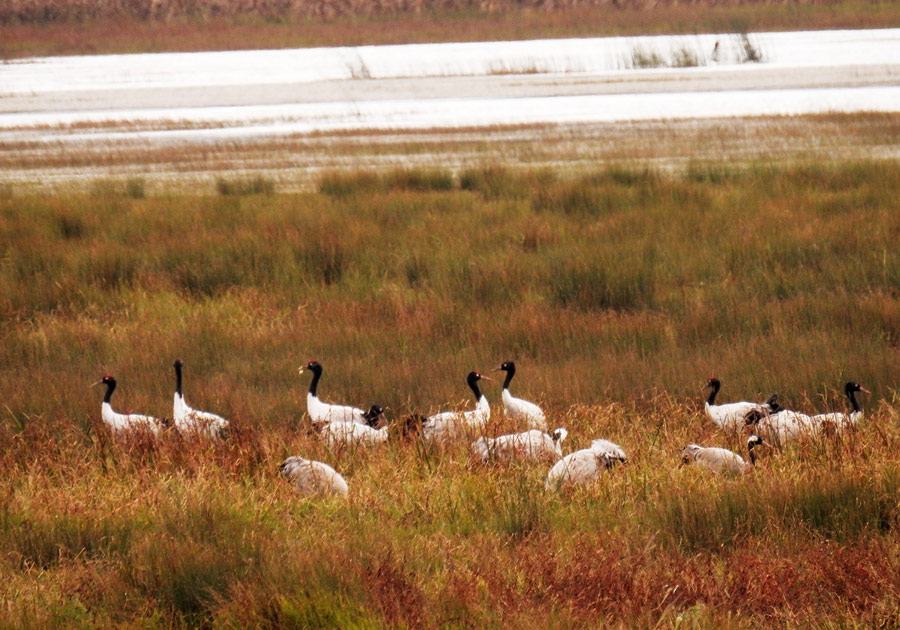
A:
343, 425
781, 425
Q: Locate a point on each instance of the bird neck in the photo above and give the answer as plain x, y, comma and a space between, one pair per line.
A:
110, 387
750, 453
714, 389
314, 383
475, 389
851, 395
178, 379
509, 377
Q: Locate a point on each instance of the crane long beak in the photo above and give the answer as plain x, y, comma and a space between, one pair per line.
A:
486, 378
100, 382
301, 368
863, 389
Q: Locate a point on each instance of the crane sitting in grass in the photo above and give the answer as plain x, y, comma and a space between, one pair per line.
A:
350, 434
531, 445
586, 465
312, 478
452, 424
720, 460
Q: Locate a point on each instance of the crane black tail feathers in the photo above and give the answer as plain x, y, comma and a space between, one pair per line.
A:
769, 407
753, 417
413, 423
372, 415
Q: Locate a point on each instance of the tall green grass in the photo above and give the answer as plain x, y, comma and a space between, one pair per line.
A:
611, 285
839, 506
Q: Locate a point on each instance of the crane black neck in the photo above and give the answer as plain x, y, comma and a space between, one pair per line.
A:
510, 372
110, 387
177, 366
751, 444
714, 389
472, 380
851, 395
317, 374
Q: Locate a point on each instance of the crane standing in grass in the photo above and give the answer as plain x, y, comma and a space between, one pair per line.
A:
121, 422
191, 420
321, 412
731, 416
786, 426
522, 411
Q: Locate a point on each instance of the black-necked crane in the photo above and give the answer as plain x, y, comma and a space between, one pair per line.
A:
731, 416
531, 445
192, 420
786, 426
522, 411
119, 422
720, 460
452, 424
313, 478
351, 434
321, 412
585, 465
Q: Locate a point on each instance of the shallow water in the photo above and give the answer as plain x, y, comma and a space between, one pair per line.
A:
195, 97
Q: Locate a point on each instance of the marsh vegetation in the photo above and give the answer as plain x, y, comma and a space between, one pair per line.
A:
617, 292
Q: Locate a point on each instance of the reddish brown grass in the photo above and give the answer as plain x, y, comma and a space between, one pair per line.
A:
48, 27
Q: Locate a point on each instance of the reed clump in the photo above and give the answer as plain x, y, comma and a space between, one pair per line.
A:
257, 185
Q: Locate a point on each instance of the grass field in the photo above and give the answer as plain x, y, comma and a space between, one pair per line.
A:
617, 291
619, 265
